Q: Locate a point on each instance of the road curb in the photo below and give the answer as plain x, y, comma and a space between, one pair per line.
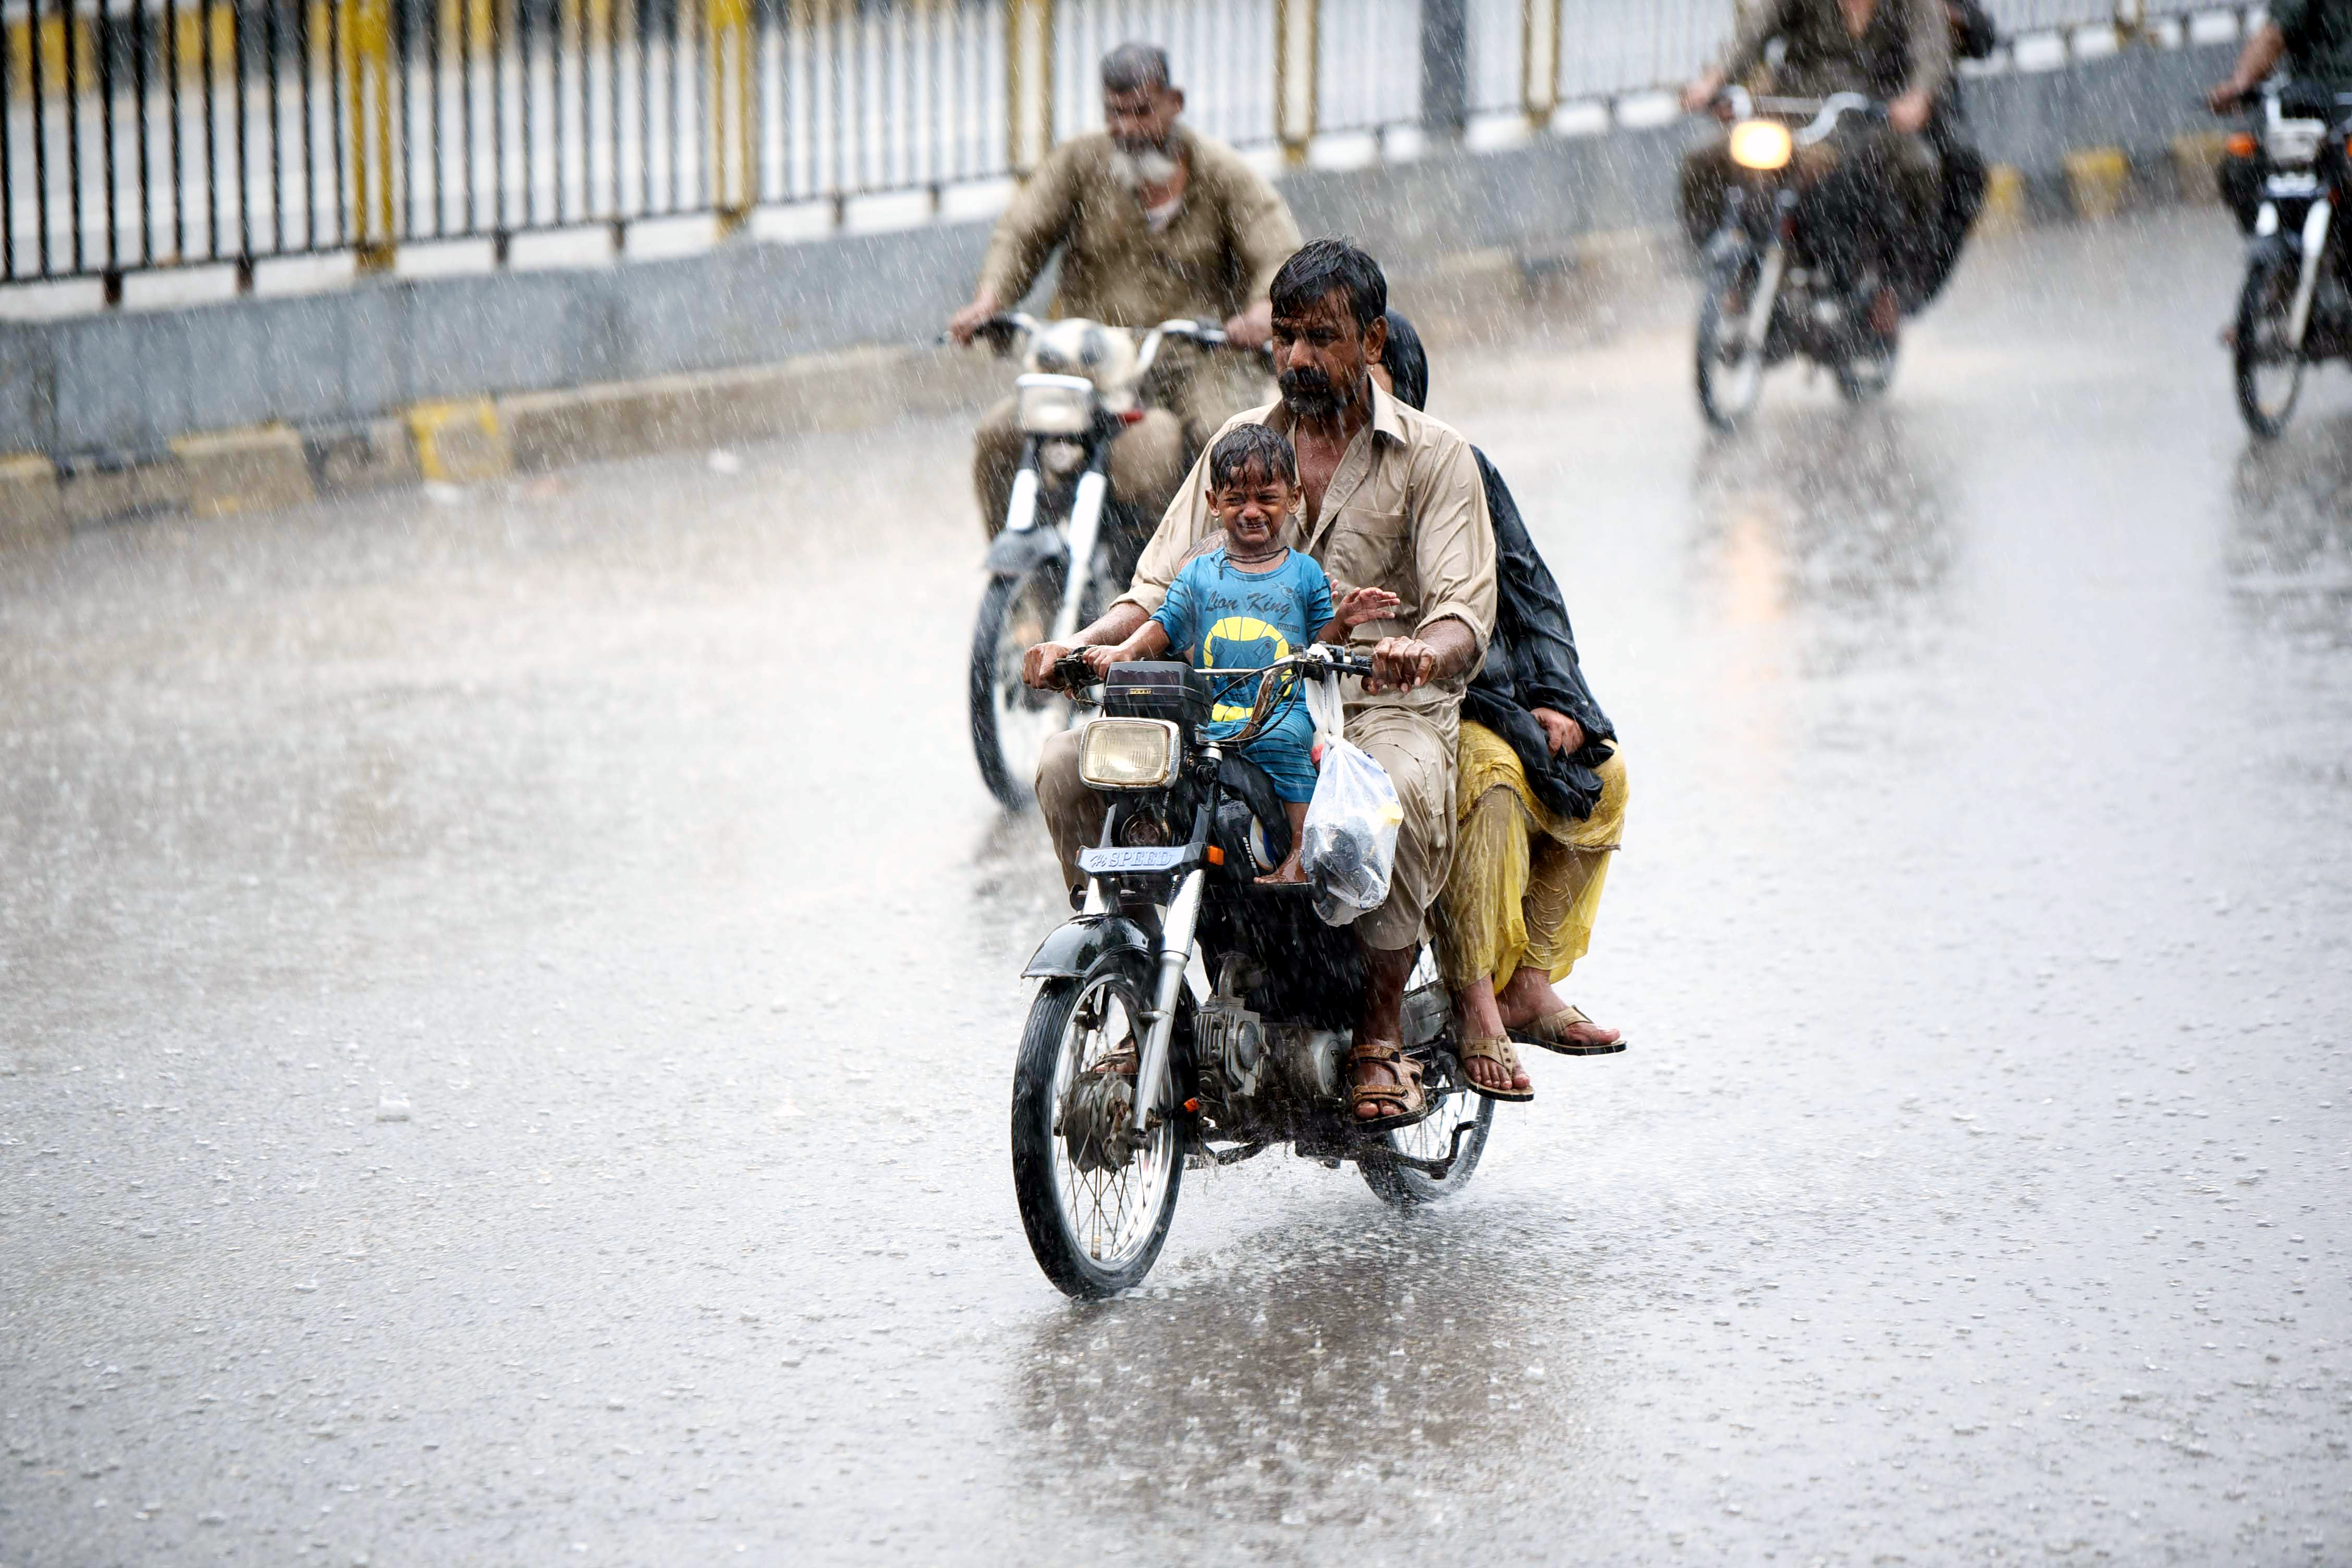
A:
32, 512
2096, 181
2197, 167
256, 470
460, 443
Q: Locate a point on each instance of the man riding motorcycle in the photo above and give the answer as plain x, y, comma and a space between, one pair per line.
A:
1392, 499
1154, 221
1887, 177
2314, 38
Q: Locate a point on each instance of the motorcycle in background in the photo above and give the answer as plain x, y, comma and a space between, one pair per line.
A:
1068, 546
2293, 309
1773, 288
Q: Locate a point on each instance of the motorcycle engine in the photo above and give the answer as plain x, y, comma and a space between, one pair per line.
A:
1230, 1041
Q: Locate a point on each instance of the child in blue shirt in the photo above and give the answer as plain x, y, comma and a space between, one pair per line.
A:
1246, 600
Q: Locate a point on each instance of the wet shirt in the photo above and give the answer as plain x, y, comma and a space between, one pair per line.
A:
2318, 36
1405, 511
1226, 618
1213, 258
1907, 48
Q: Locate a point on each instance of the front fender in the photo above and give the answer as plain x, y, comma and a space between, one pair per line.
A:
1016, 553
1074, 949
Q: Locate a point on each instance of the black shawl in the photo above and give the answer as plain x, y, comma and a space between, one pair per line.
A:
1531, 663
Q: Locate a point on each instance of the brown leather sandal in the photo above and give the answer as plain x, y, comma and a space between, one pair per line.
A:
1550, 1030
1403, 1088
1501, 1053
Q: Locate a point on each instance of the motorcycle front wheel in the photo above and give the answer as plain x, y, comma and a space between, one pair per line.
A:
1010, 722
1730, 369
2269, 371
1095, 1231
1429, 1139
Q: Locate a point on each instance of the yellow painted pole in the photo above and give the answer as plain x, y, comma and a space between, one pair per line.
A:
727, 56
1540, 60
367, 110
1294, 73
1028, 83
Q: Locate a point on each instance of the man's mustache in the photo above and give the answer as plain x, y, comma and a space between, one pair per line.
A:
1308, 386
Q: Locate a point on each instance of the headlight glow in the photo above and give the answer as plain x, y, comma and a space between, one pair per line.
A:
1128, 753
1760, 144
1055, 404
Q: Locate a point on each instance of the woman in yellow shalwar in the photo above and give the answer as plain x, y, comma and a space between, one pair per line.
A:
1540, 804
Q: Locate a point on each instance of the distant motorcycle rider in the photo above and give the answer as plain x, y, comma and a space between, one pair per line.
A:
1897, 51
1154, 221
2314, 38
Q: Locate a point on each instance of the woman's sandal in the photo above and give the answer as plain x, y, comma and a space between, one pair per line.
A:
1403, 1088
1547, 1030
1501, 1053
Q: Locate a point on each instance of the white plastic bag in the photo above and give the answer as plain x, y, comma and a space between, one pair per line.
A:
1350, 845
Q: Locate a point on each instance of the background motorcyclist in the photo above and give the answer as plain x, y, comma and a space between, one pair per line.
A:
2314, 37
1885, 181
1154, 221
1961, 195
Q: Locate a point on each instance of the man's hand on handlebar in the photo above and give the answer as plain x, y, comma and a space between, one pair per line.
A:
1701, 94
1252, 328
1909, 114
2227, 96
1400, 664
1038, 665
965, 324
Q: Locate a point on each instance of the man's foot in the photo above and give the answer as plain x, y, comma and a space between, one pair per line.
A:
1886, 315
1571, 1034
1493, 1067
1384, 1086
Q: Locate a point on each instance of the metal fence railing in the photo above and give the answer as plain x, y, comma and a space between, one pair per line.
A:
151, 133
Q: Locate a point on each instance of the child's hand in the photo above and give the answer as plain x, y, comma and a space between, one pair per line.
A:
1100, 658
1362, 604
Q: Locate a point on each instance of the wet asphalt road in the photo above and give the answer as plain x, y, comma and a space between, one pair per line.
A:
509, 999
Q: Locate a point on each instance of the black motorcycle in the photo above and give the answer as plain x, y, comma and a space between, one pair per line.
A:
2295, 309
1126, 1073
1776, 286
1081, 383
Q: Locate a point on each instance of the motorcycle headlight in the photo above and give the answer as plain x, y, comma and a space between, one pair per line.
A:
1760, 144
2293, 143
1055, 404
1128, 753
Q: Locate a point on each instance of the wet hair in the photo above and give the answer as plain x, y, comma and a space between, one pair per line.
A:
1135, 68
1247, 448
1407, 362
1322, 265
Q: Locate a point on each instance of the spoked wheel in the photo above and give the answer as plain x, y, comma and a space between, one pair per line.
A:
1730, 371
1010, 722
2269, 369
1429, 1139
1094, 1199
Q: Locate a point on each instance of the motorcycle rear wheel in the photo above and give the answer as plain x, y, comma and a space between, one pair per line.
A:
1010, 722
2269, 374
1429, 1139
1095, 1234
1727, 386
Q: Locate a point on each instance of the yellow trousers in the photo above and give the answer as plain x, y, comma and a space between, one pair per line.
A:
1525, 881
